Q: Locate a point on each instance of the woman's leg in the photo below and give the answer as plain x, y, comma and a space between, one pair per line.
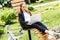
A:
44, 30
39, 23
39, 27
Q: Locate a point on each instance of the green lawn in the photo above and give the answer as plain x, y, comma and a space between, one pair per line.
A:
50, 18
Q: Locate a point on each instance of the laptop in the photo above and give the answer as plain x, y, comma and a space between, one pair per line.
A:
35, 18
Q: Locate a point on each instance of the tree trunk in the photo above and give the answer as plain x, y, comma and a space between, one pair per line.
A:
29, 1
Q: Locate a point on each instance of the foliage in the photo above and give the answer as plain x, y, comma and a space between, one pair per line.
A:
12, 16
2, 1
8, 18
30, 8
41, 1
1, 30
7, 15
32, 1
48, 0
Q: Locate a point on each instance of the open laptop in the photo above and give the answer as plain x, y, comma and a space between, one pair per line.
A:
35, 18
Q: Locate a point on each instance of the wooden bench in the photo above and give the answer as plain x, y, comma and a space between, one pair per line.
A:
41, 35
16, 6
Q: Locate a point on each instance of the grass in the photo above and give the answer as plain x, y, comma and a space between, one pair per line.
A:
50, 18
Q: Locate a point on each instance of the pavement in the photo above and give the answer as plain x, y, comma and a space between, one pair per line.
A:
43, 4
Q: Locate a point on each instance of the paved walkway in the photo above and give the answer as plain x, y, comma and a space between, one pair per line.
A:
43, 4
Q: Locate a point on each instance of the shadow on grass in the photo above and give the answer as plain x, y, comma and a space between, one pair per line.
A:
11, 23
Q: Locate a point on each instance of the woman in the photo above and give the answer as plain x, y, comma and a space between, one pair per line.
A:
24, 18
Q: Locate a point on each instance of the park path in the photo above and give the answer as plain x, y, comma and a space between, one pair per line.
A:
43, 4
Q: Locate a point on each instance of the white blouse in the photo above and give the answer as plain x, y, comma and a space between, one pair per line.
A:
27, 16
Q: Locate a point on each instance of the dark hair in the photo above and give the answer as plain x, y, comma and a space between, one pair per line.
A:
21, 7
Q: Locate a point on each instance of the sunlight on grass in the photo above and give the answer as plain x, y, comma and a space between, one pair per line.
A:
50, 17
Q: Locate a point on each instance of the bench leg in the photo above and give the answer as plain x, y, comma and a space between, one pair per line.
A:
29, 34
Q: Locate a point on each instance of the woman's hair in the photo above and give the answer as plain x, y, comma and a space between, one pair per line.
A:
21, 7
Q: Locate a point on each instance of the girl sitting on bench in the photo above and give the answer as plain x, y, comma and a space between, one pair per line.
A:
24, 19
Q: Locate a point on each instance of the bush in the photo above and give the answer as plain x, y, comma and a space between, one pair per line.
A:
12, 16
8, 18
2, 1
33, 1
1, 30
30, 8
41, 1
48, 0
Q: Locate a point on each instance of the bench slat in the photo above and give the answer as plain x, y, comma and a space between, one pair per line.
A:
16, 1
16, 5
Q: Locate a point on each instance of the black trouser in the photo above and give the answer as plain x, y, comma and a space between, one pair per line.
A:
37, 25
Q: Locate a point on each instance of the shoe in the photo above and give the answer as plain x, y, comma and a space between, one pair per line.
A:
51, 35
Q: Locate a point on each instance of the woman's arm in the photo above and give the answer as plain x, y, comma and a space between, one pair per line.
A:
21, 19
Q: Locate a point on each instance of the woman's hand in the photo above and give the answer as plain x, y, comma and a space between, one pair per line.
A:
29, 23
25, 9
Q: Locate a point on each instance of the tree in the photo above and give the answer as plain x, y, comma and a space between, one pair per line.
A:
30, 1
2, 1
33, 1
